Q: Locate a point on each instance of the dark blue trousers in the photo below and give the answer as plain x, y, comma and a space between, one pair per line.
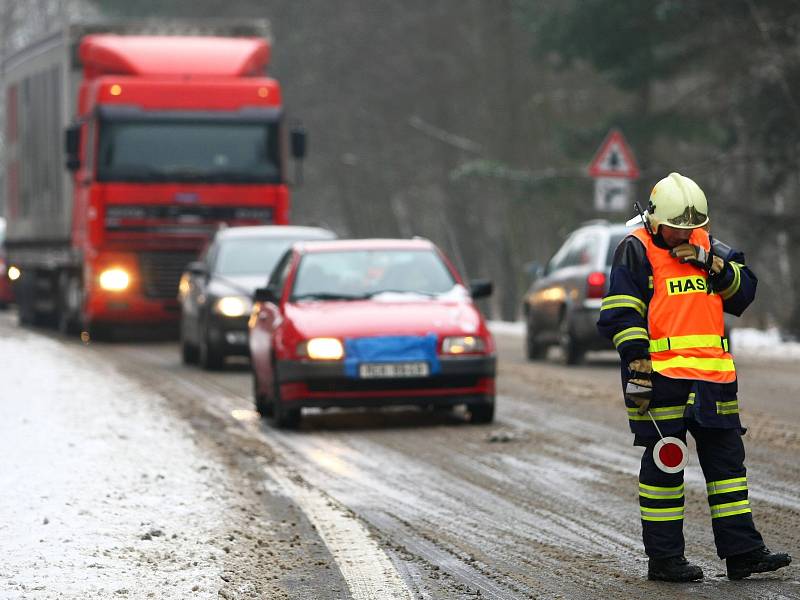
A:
661, 496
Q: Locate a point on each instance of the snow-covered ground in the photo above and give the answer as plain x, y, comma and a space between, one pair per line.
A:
765, 344
744, 341
103, 496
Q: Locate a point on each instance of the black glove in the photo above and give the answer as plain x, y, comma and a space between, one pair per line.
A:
699, 257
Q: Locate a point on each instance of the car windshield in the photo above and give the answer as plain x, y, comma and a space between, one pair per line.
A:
188, 150
249, 256
359, 274
613, 241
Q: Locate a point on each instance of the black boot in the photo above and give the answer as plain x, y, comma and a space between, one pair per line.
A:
674, 568
755, 561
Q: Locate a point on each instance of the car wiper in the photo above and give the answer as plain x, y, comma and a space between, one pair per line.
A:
236, 286
329, 296
417, 292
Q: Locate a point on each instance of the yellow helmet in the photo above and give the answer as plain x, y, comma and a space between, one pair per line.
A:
679, 202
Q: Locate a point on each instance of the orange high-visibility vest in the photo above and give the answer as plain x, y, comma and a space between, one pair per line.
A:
685, 319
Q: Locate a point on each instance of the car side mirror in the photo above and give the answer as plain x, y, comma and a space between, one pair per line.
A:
72, 147
197, 267
265, 294
534, 270
480, 288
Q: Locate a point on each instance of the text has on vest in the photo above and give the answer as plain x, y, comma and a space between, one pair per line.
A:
693, 284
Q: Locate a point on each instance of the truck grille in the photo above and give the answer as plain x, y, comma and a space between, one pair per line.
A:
161, 272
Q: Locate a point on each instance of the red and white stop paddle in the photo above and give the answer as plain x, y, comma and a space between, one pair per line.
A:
670, 453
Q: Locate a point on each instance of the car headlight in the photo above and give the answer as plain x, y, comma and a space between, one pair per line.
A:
321, 349
233, 306
14, 273
184, 286
114, 279
468, 344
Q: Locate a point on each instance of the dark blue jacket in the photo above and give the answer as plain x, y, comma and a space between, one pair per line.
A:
709, 404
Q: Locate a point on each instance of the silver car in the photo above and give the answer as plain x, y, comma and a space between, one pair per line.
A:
215, 292
562, 304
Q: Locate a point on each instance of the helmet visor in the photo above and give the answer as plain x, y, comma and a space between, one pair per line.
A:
688, 219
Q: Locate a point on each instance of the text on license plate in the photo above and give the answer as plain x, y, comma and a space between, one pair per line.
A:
385, 370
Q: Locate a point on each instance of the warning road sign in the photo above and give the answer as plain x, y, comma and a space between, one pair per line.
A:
614, 158
612, 194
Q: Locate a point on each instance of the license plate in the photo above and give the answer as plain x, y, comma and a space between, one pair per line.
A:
389, 370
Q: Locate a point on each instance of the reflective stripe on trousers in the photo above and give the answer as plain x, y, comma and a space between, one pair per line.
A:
662, 514
730, 509
661, 493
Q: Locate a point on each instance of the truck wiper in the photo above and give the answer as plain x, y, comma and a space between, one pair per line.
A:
145, 174
239, 177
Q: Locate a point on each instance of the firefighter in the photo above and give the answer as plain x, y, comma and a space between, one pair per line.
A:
670, 283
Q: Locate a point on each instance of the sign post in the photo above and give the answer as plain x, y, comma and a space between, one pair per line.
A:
614, 169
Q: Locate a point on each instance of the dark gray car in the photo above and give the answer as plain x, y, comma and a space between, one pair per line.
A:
562, 305
215, 292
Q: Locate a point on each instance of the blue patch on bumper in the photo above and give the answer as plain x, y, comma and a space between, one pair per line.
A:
390, 349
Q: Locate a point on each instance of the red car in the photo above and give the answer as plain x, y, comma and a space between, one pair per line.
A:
363, 323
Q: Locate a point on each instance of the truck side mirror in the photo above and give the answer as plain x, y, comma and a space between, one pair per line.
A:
480, 288
72, 147
299, 140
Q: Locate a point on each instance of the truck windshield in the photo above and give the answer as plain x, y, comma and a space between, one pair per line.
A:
183, 150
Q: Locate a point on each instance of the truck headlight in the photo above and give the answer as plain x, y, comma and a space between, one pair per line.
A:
233, 306
114, 279
321, 349
468, 344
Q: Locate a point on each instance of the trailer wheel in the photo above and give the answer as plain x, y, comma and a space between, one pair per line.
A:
68, 320
25, 292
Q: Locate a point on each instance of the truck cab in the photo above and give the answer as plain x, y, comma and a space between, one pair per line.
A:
167, 137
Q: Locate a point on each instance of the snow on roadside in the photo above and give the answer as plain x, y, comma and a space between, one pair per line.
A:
515, 328
747, 342
763, 344
104, 495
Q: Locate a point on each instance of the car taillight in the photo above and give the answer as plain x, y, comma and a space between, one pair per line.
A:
596, 284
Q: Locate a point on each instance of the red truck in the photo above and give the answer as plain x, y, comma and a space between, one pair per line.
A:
166, 135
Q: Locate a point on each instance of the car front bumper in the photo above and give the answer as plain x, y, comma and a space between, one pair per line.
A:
229, 335
463, 379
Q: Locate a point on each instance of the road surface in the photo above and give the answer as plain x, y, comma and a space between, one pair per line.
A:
158, 480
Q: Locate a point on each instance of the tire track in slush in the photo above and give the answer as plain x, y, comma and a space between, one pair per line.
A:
472, 515
550, 532
365, 567
494, 518
369, 573
431, 550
